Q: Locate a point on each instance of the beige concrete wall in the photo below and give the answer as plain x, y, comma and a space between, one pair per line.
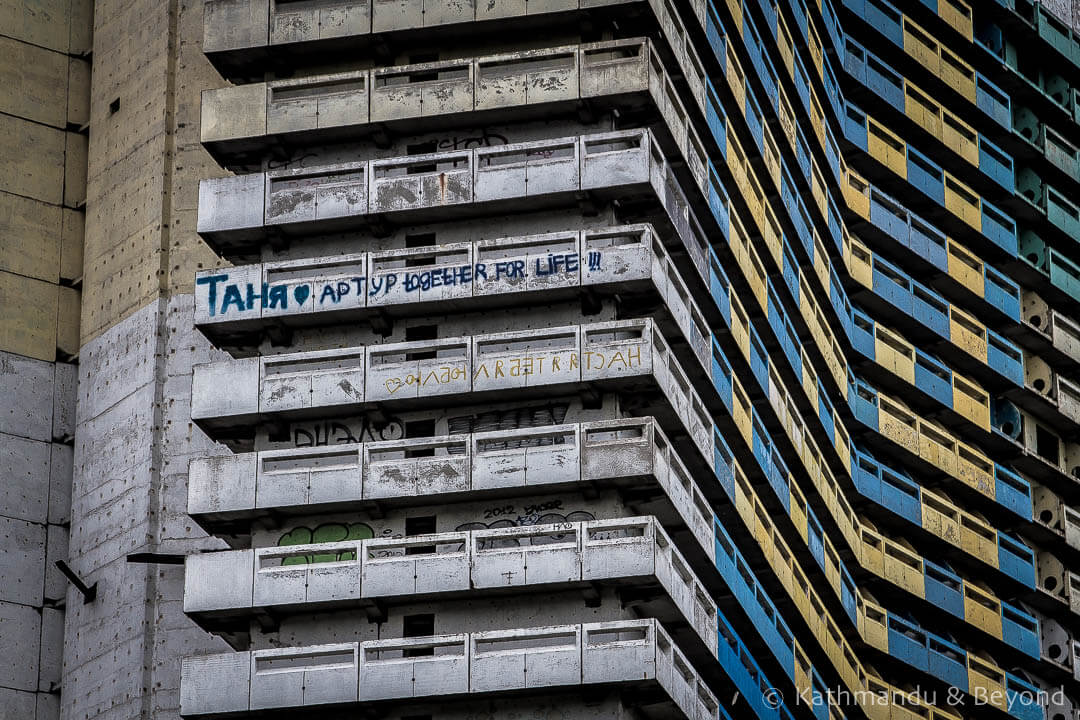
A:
44, 98
145, 160
65, 26
137, 343
44, 101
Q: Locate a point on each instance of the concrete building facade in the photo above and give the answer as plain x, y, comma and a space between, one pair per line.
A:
44, 109
541, 358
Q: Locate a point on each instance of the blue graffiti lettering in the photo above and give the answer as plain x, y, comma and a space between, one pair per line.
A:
211, 292
232, 297
332, 292
278, 296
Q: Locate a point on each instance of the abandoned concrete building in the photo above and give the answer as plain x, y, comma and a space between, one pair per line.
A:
536, 359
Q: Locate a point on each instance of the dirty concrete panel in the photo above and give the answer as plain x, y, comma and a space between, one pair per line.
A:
41, 22
235, 24
56, 548
24, 467
122, 282
61, 467
114, 678
81, 36
114, 365
50, 669
22, 557
78, 92
33, 82
123, 201
48, 706
38, 227
232, 202
19, 670
28, 326
18, 703
28, 383
111, 448
67, 320
234, 112
75, 150
71, 244
34, 159
65, 393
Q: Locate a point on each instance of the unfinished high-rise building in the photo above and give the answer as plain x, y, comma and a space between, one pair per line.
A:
536, 359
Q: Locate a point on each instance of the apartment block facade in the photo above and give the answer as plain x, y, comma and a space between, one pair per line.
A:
451, 359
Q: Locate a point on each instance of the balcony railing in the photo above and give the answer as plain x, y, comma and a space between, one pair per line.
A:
539, 659
626, 550
237, 25
237, 116
625, 453
325, 290
237, 209
230, 395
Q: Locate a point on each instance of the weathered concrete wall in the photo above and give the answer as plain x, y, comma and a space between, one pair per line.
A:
137, 346
44, 99
34, 514
134, 438
145, 158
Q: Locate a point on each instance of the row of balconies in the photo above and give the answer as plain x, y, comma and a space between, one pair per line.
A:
540, 659
304, 577
703, 423
481, 672
238, 116
1012, 367
627, 353
526, 179
325, 289
231, 209
272, 482
248, 24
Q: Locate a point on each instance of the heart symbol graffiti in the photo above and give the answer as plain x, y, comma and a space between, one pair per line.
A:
301, 293
393, 385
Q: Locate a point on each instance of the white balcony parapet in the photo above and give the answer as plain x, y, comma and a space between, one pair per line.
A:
236, 25
613, 161
433, 89
242, 390
298, 481
303, 576
542, 658
326, 289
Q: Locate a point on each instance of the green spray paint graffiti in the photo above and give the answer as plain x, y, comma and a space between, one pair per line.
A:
329, 532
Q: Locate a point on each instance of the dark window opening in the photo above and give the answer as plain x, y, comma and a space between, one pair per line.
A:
420, 240
422, 525
422, 332
1046, 444
420, 428
418, 626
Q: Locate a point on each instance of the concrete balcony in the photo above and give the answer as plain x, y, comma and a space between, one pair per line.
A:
564, 658
230, 397
629, 260
240, 122
628, 454
239, 30
236, 212
223, 590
